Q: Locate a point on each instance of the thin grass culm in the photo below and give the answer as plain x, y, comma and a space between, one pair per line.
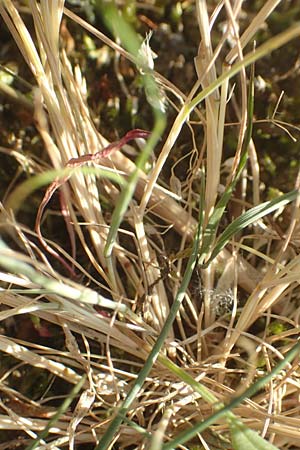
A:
149, 213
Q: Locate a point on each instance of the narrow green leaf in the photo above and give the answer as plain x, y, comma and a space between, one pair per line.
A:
19, 195
225, 411
118, 26
127, 192
248, 218
115, 21
153, 355
246, 439
265, 49
61, 410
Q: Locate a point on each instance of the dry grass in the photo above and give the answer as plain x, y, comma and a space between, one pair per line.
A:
111, 314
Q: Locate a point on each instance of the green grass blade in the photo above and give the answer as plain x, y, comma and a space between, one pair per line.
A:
266, 48
19, 195
187, 435
61, 410
249, 217
127, 192
131, 40
153, 355
244, 438
118, 26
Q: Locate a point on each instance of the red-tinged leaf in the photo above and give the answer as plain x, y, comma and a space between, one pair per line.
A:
44, 331
72, 163
47, 197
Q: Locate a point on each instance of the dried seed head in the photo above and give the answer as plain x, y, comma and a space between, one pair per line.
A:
146, 55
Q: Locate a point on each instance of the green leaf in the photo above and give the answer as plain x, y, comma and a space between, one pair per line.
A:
249, 217
246, 439
225, 411
61, 410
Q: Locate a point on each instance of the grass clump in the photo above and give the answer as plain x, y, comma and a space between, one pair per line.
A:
158, 296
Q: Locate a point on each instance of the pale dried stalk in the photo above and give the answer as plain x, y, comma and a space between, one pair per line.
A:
254, 26
157, 296
258, 302
277, 279
22, 353
214, 149
82, 321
